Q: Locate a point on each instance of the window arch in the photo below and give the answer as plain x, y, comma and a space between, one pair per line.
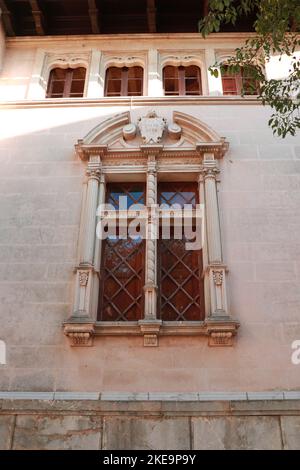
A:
66, 82
182, 80
124, 81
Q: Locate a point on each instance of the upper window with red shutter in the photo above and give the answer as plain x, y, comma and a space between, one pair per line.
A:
238, 83
182, 81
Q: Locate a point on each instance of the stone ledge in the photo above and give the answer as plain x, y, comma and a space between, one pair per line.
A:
156, 404
219, 330
155, 396
137, 101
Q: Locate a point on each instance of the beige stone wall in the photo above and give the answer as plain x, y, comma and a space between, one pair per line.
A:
40, 202
109, 425
41, 186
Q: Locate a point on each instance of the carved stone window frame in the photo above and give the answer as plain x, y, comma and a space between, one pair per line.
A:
118, 150
222, 56
117, 59
185, 58
46, 61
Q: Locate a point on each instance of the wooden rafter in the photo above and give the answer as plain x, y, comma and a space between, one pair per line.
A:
151, 16
94, 16
7, 19
38, 17
205, 7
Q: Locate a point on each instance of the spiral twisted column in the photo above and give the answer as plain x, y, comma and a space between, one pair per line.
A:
151, 243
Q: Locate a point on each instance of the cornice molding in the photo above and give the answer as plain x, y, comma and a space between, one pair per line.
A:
136, 101
96, 38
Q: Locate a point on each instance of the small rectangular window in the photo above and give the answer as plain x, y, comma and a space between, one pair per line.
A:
125, 81
66, 83
123, 261
182, 81
181, 290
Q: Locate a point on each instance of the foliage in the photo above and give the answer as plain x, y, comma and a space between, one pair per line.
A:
276, 23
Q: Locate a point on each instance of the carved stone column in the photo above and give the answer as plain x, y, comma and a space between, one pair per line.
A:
155, 86
95, 87
150, 325
88, 245
221, 327
80, 326
215, 87
151, 243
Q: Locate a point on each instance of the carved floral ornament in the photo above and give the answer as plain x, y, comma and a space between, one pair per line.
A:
121, 61
184, 59
218, 277
83, 278
65, 60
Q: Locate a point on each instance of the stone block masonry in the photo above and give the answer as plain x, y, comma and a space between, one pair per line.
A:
121, 422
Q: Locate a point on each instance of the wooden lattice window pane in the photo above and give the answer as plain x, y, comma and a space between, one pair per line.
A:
133, 192
238, 83
192, 80
181, 294
123, 261
66, 83
122, 280
113, 81
178, 193
125, 81
182, 80
171, 80
135, 81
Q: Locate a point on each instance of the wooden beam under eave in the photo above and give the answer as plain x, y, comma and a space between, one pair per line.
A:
7, 19
151, 16
94, 16
205, 8
38, 17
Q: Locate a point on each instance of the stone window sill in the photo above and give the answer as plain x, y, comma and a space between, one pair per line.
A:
220, 331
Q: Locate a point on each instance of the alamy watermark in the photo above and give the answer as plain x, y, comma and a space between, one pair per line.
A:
295, 358
2, 353
152, 222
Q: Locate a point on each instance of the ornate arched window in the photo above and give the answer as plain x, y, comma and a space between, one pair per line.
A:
66, 82
182, 80
124, 81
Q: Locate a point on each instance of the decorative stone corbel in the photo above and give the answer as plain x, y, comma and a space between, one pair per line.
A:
80, 335
150, 331
221, 332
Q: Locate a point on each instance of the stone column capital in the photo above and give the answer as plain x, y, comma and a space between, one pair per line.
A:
209, 172
94, 173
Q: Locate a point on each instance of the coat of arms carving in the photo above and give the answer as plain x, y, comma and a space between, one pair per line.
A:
151, 128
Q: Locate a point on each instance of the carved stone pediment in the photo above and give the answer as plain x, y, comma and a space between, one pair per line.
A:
152, 128
183, 134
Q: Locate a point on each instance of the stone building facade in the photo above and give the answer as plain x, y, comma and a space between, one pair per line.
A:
69, 379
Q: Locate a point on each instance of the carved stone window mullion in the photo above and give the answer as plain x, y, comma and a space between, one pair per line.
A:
150, 325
